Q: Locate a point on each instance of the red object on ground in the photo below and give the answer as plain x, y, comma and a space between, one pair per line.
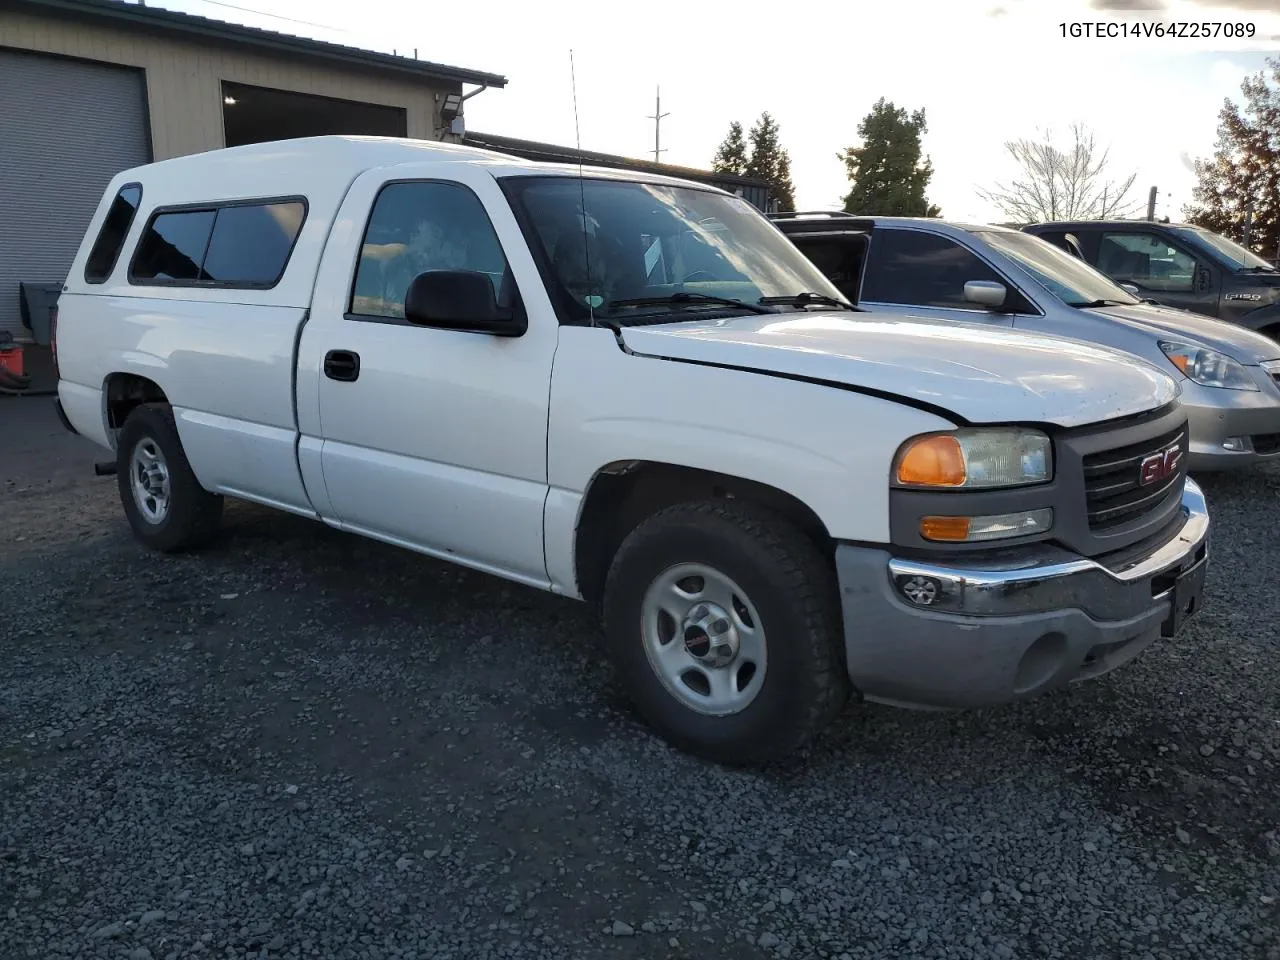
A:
11, 359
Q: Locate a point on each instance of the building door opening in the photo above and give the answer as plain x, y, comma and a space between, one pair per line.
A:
260, 114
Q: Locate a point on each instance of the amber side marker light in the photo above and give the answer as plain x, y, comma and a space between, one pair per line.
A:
945, 529
936, 461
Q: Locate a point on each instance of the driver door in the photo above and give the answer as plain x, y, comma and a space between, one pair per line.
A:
1159, 269
429, 438
922, 274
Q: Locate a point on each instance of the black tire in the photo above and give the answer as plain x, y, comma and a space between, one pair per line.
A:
792, 588
193, 514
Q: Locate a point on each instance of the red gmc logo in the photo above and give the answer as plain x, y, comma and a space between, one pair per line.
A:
1159, 466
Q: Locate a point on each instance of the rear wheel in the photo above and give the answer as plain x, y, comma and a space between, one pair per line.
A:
164, 502
723, 622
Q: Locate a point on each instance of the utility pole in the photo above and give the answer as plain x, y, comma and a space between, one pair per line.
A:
658, 149
1248, 222
1151, 204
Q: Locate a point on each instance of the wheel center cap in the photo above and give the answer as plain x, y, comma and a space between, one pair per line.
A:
709, 635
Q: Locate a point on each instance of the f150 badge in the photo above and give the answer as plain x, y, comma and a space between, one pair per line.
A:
1243, 296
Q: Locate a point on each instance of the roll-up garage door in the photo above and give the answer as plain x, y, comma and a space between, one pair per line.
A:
66, 128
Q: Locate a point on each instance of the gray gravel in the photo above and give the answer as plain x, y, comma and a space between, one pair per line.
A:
300, 744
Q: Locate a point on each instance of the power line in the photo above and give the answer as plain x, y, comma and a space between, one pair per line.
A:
273, 16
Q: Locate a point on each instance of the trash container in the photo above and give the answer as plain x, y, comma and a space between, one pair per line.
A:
38, 301
10, 356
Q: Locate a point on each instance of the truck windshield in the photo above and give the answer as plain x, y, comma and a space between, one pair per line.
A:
630, 251
1068, 278
1237, 256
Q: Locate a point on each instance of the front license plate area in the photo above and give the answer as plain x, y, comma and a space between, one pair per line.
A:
1188, 590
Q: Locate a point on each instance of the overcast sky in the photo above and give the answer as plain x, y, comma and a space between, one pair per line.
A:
985, 71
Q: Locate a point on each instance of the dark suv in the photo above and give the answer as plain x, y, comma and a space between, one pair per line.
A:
1177, 265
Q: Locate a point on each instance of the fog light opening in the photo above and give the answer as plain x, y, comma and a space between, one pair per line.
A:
1235, 444
920, 590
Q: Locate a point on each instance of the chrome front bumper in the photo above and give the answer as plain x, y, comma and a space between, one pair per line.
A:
1012, 625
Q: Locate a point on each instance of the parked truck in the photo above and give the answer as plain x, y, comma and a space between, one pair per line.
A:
1177, 265
635, 392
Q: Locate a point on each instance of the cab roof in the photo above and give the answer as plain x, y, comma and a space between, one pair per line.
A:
310, 165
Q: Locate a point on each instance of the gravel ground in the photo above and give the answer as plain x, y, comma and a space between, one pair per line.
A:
300, 744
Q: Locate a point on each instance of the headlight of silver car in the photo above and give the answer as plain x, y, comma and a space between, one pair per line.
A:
1209, 368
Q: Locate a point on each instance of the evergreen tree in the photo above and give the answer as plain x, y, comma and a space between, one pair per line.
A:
1244, 173
770, 162
888, 175
783, 191
731, 157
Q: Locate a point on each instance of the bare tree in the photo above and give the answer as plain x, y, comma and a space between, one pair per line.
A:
1061, 183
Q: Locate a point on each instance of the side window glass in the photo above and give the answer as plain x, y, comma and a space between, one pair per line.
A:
839, 259
250, 245
1146, 260
110, 240
173, 246
416, 227
922, 270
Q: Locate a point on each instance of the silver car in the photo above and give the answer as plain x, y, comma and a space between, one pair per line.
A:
1001, 277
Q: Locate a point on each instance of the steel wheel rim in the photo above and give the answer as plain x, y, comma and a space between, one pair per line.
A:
704, 639
149, 481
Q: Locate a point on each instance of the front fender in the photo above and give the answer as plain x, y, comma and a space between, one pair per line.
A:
831, 449
1262, 318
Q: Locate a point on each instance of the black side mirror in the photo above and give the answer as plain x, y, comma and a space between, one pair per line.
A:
460, 300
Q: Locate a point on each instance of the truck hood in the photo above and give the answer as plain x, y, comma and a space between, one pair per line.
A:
977, 373
1169, 323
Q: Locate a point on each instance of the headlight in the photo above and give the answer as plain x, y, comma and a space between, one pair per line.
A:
1208, 367
975, 459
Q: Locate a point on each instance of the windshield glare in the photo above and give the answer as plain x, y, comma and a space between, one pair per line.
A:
1068, 278
612, 240
1238, 256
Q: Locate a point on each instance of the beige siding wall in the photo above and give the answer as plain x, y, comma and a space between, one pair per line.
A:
184, 78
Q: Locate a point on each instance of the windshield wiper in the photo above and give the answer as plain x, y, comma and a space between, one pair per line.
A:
808, 297
685, 298
1259, 270
1082, 305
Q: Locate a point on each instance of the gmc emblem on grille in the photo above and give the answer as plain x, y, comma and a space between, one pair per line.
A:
1159, 466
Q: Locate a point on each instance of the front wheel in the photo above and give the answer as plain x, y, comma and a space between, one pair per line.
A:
166, 506
723, 621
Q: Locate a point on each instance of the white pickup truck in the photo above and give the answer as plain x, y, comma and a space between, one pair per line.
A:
636, 392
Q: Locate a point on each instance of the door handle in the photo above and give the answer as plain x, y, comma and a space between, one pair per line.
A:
343, 365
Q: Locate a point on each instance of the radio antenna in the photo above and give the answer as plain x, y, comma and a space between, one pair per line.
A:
582, 190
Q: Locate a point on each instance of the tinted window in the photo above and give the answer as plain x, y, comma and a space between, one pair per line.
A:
173, 246
416, 227
251, 244
1146, 260
106, 248
839, 259
923, 270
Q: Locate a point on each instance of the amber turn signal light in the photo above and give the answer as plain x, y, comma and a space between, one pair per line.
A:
945, 529
936, 461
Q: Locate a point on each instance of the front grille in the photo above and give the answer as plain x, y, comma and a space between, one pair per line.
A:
1114, 493
1266, 442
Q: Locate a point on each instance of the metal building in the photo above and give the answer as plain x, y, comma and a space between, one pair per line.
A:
91, 87
755, 192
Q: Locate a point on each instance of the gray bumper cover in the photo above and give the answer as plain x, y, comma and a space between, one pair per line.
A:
1009, 627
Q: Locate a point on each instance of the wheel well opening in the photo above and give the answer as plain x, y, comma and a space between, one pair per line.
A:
124, 391
622, 495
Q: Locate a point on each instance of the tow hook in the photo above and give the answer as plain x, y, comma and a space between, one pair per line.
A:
105, 468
